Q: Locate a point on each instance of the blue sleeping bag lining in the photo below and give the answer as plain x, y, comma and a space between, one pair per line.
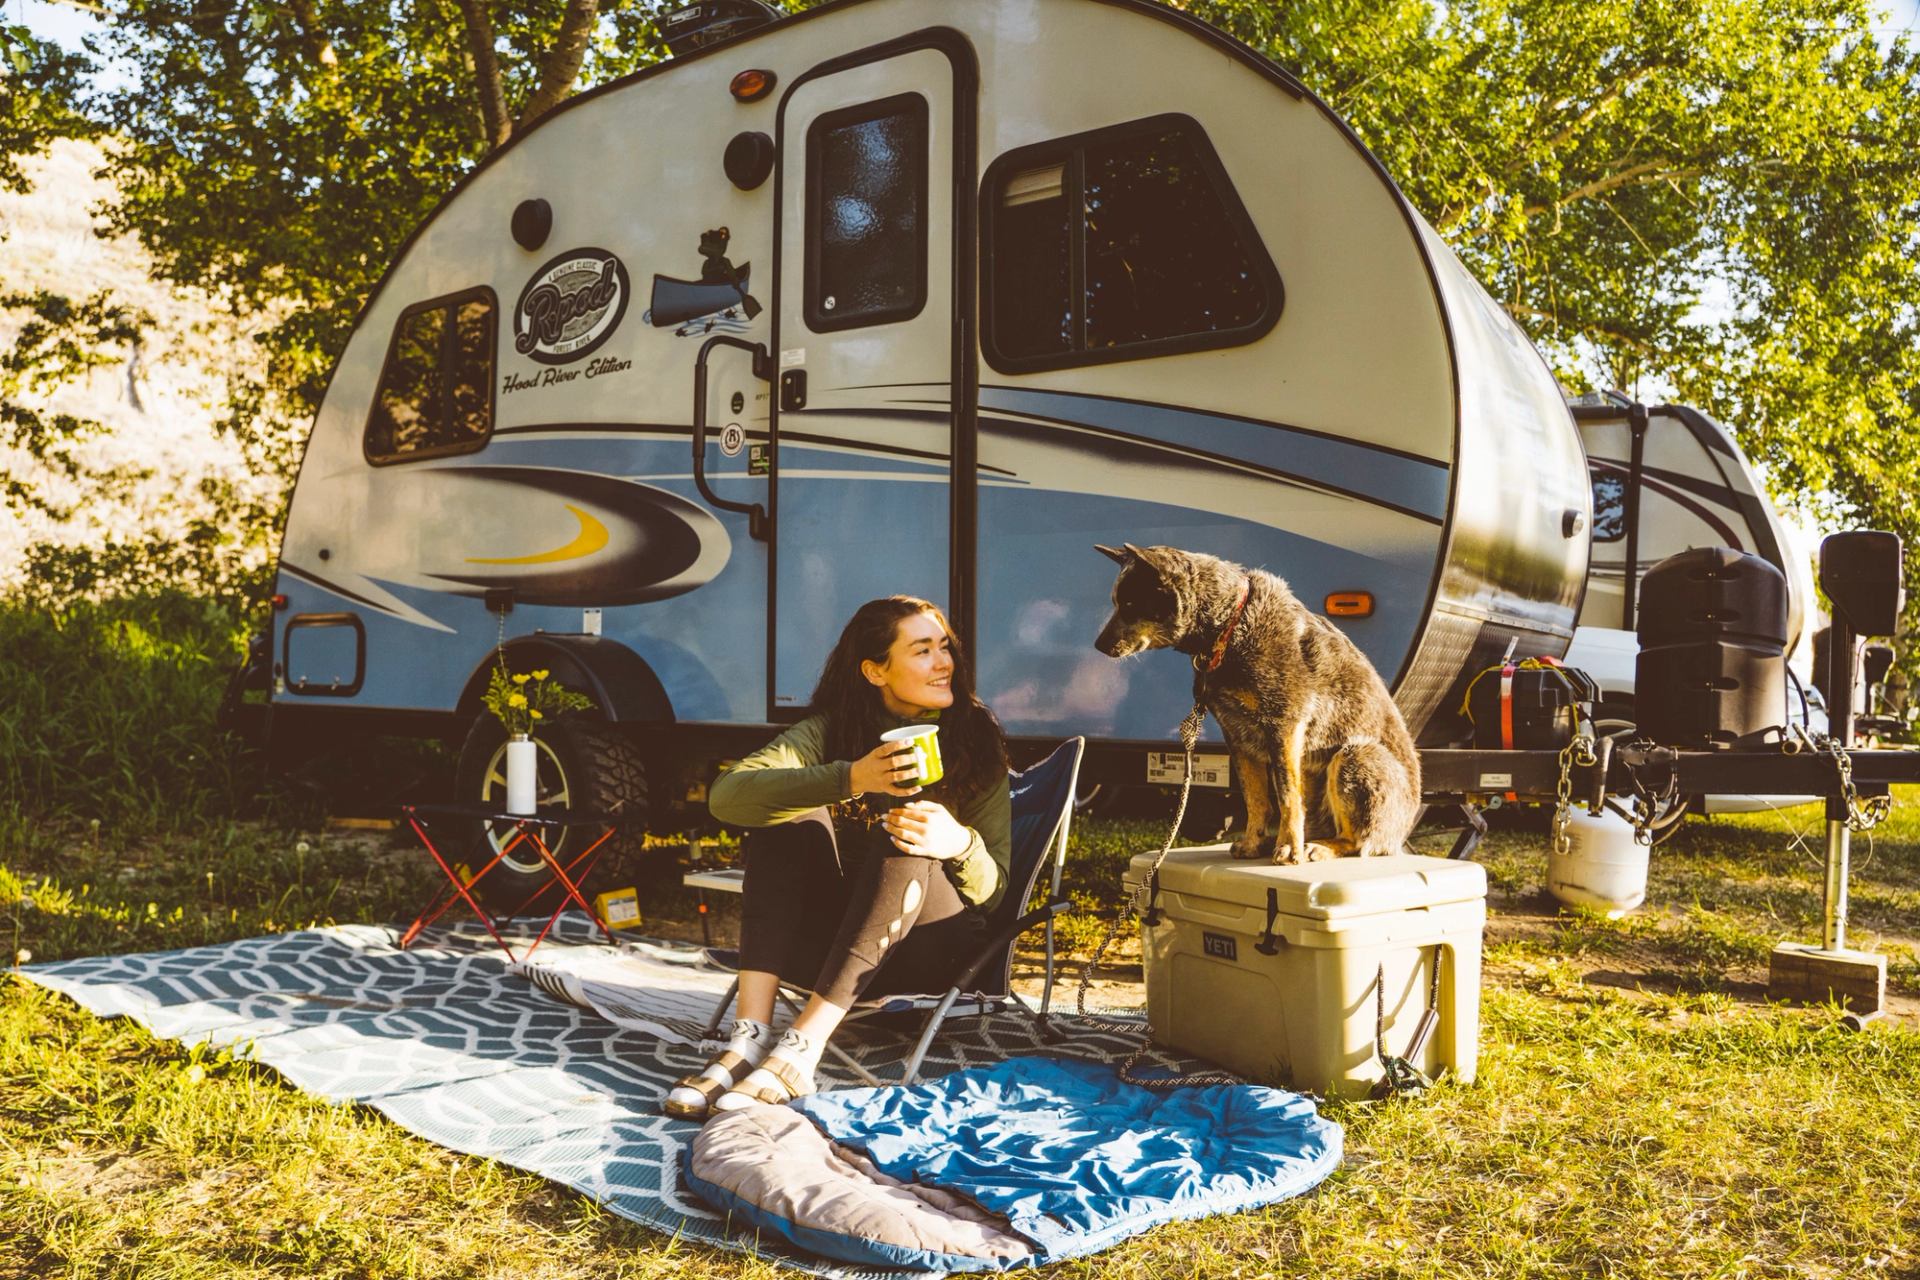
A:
1072, 1157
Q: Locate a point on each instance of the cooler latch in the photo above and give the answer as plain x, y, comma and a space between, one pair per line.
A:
1269, 944
1151, 916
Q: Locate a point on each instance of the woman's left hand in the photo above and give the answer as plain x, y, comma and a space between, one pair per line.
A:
925, 829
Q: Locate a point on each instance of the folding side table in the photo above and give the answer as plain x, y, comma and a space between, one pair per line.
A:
533, 829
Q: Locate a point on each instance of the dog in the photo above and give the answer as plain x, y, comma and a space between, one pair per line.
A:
1319, 748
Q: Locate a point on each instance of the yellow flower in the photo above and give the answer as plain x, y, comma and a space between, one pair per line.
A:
536, 715
517, 700
521, 678
541, 675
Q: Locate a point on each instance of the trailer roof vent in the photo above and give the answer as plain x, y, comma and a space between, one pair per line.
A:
696, 26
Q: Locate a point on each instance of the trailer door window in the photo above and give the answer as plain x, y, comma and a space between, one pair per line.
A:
436, 389
867, 214
1119, 244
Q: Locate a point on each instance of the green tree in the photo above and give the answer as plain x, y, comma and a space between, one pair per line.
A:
40, 84
1717, 196
278, 155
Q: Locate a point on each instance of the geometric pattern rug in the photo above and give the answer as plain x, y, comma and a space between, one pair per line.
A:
455, 1044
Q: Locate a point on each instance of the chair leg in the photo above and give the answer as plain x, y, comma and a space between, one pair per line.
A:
847, 1060
934, 1020
720, 1010
1046, 992
1042, 1021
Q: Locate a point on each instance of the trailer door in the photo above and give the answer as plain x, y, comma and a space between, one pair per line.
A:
866, 350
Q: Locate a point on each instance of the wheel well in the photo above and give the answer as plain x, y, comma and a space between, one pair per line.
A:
619, 681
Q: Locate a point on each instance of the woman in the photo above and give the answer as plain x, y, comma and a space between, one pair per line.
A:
852, 887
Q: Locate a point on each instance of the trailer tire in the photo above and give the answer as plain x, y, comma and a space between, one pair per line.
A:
585, 765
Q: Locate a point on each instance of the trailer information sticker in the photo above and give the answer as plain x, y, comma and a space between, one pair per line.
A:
1171, 766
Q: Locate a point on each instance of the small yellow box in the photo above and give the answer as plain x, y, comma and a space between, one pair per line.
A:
620, 908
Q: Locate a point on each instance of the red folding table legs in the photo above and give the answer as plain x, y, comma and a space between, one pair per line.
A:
529, 830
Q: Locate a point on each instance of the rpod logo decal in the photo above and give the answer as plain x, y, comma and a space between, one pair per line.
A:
571, 306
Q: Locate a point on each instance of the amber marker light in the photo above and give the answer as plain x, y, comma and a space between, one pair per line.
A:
751, 85
1350, 604
279, 600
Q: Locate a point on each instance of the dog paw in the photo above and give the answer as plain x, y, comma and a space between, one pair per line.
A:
1317, 852
1285, 856
1249, 848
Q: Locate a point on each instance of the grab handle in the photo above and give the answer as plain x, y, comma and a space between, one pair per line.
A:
762, 369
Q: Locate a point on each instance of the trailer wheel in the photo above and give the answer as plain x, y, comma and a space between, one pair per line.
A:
585, 765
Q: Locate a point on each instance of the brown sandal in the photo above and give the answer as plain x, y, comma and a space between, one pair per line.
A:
791, 1084
706, 1086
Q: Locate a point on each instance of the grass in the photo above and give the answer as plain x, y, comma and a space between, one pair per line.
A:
1640, 1111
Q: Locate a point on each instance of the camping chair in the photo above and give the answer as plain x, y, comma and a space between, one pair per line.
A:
1042, 809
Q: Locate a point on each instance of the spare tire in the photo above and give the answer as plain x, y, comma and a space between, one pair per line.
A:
586, 765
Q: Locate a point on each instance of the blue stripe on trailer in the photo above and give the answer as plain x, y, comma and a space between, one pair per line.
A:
1387, 477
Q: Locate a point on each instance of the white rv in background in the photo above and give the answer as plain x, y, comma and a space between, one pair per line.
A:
1666, 479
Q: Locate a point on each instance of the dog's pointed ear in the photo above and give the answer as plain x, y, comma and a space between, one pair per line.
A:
1144, 557
1118, 557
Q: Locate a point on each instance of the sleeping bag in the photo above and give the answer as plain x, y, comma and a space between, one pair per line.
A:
1024, 1162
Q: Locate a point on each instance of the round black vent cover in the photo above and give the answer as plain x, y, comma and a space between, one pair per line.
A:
749, 159
532, 221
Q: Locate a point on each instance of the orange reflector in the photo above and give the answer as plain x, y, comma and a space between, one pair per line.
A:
1350, 604
279, 601
752, 85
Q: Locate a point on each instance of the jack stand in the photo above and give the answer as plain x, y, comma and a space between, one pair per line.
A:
1831, 971
1857, 980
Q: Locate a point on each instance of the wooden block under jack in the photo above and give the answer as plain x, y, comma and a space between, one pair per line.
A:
1804, 974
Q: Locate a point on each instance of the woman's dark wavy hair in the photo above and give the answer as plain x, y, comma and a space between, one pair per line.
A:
972, 746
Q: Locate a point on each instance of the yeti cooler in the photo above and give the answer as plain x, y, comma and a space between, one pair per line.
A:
1271, 970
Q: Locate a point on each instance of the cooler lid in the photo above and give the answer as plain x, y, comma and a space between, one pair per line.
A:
1338, 889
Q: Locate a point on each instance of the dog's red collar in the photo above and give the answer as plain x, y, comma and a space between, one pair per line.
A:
1226, 637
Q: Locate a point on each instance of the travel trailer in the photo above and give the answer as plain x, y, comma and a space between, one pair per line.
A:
892, 296
1665, 479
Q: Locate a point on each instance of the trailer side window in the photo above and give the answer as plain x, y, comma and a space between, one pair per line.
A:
867, 214
436, 389
1119, 244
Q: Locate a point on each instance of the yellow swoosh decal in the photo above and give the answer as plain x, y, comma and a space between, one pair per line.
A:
593, 536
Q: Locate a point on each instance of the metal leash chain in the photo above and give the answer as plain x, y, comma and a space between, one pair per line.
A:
1399, 1076
1189, 736
1577, 752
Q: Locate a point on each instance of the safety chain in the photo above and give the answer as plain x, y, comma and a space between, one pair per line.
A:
1580, 752
1862, 815
1136, 904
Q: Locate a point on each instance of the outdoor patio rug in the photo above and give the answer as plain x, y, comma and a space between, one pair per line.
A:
449, 1042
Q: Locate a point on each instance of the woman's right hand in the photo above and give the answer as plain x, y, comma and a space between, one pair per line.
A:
877, 770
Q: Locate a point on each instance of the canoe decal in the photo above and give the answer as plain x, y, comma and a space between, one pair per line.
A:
717, 302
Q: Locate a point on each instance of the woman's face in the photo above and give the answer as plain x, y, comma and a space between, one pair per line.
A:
917, 676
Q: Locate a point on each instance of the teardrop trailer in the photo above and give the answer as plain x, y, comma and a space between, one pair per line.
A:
890, 296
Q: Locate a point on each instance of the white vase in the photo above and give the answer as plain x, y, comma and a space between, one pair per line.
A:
523, 773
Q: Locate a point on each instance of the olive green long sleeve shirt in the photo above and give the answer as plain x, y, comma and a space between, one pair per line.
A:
791, 776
